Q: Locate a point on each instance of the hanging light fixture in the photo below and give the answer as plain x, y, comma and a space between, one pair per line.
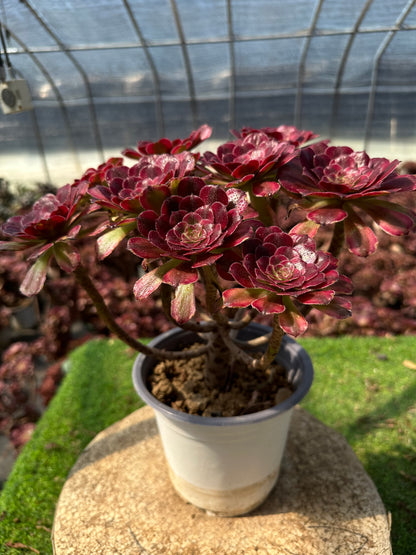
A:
14, 93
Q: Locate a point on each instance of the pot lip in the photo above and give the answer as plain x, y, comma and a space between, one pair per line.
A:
173, 414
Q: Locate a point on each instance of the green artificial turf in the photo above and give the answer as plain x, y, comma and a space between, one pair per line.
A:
96, 393
364, 387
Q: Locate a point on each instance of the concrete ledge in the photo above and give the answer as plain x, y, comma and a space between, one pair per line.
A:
118, 499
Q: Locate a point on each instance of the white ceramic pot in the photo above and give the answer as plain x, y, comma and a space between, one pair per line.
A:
226, 465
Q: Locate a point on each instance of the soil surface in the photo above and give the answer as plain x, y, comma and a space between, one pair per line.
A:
181, 385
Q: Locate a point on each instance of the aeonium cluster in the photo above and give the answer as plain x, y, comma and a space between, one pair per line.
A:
208, 233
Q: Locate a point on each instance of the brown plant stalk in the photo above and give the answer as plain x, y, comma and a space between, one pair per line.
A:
104, 313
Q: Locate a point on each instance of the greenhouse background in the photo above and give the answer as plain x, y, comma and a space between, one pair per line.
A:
103, 74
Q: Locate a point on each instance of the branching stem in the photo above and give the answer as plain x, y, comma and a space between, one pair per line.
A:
104, 313
274, 344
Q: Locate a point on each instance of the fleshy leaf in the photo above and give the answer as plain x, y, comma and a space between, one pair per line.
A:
151, 281
66, 256
152, 198
392, 218
241, 298
239, 273
343, 286
308, 227
110, 240
182, 275
327, 215
206, 260
266, 188
317, 297
339, 307
360, 239
143, 248
291, 321
36, 275
183, 305
269, 304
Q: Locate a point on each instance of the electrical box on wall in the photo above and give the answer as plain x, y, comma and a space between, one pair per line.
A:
15, 96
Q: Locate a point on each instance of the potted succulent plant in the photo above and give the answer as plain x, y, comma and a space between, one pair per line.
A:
223, 238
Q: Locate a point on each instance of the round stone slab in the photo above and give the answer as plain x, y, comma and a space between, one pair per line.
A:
118, 499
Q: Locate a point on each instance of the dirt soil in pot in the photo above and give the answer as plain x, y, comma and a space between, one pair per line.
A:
180, 384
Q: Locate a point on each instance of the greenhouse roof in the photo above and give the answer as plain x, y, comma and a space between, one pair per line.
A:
104, 73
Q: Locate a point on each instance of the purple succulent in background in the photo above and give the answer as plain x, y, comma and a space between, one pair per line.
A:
193, 229
286, 133
45, 230
251, 162
166, 146
277, 269
333, 182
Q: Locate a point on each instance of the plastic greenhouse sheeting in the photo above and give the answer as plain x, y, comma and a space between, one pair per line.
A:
104, 73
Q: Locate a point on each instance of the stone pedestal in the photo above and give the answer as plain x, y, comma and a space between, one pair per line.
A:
118, 499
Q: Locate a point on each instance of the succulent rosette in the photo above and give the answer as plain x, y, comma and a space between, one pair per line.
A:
192, 230
250, 162
280, 271
46, 231
127, 191
335, 184
166, 146
124, 186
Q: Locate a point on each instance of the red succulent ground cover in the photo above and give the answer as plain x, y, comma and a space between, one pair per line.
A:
384, 300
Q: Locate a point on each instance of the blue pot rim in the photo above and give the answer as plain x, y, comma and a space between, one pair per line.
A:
301, 377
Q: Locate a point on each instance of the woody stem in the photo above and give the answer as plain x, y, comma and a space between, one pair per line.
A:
104, 313
273, 345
